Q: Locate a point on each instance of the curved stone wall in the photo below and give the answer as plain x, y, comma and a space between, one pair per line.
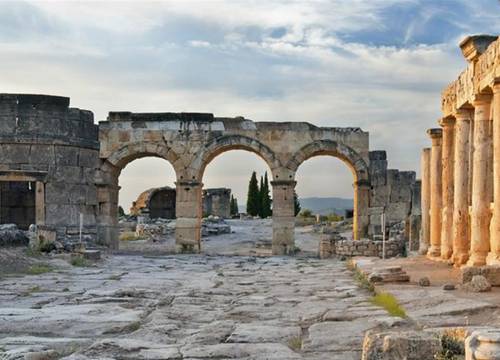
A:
44, 141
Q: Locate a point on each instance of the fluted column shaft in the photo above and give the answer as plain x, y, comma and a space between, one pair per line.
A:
480, 214
494, 255
425, 200
447, 161
436, 192
461, 242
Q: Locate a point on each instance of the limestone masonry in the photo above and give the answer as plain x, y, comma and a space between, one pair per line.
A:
73, 167
461, 171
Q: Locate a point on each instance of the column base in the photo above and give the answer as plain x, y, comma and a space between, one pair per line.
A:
446, 253
187, 249
460, 259
423, 249
477, 260
493, 259
434, 252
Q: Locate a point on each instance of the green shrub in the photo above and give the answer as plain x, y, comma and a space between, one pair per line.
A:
39, 269
306, 213
79, 261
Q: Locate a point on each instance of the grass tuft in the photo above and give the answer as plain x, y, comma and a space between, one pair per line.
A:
295, 343
389, 303
39, 269
79, 261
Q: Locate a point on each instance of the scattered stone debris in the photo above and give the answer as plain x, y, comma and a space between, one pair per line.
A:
483, 344
10, 235
389, 274
397, 345
424, 281
449, 287
214, 225
478, 284
490, 272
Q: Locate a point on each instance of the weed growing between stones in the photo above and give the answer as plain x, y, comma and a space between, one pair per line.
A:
389, 303
39, 269
361, 278
79, 261
295, 343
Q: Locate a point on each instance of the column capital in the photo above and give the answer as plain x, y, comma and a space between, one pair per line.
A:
447, 121
464, 115
435, 133
481, 100
426, 150
496, 85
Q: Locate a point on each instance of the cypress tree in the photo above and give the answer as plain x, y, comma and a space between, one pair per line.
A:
261, 195
265, 198
296, 203
253, 196
233, 206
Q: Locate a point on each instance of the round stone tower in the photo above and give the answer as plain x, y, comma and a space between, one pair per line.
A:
49, 154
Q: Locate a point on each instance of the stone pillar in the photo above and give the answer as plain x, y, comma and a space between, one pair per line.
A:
447, 154
425, 162
480, 213
40, 203
436, 193
361, 218
107, 227
188, 210
494, 255
283, 217
461, 242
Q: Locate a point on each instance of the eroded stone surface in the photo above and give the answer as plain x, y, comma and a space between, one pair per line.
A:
189, 307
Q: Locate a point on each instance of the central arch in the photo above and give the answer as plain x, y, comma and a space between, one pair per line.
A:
360, 172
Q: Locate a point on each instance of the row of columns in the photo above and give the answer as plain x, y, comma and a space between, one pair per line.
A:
461, 185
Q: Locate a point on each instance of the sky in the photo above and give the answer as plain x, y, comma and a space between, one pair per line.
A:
375, 64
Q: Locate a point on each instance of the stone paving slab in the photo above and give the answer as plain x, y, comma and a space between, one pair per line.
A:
189, 307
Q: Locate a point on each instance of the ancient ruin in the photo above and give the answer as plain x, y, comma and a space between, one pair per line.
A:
216, 202
74, 166
461, 171
155, 203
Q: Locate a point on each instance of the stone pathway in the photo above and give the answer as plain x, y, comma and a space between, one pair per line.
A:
188, 307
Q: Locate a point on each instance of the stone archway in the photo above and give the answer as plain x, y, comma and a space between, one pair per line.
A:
360, 172
108, 183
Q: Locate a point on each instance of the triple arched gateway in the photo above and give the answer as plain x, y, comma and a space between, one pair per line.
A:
74, 166
191, 141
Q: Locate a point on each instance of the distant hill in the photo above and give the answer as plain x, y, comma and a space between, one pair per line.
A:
326, 205
321, 205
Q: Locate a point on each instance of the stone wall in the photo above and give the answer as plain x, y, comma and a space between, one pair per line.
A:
155, 203
393, 192
56, 148
217, 202
331, 245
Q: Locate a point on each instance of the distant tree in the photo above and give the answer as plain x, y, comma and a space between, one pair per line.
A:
265, 198
296, 203
121, 212
233, 206
306, 213
253, 196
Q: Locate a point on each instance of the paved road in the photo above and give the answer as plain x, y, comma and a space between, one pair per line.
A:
188, 307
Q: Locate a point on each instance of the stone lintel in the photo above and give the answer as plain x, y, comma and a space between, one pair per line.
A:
23, 175
435, 133
473, 46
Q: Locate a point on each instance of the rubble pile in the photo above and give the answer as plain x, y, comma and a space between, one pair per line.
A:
10, 235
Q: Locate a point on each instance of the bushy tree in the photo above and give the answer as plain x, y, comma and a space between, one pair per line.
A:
253, 196
265, 198
296, 203
233, 206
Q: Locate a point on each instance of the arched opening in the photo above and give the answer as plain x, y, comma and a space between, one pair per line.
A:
147, 203
226, 176
326, 196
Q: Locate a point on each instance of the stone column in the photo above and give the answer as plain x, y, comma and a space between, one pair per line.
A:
361, 218
447, 154
425, 162
107, 227
436, 193
283, 217
40, 203
494, 255
188, 211
461, 242
480, 214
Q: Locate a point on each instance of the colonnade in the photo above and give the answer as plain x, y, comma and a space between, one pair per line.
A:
461, 184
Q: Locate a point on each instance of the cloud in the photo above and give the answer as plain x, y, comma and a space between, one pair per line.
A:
376, 64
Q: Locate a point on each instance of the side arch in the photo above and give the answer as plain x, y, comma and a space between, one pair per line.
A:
351, 158
359, 169
225, 143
